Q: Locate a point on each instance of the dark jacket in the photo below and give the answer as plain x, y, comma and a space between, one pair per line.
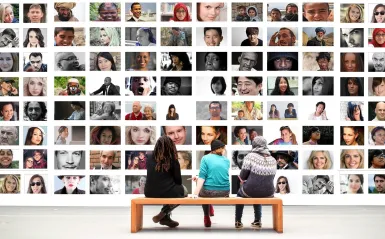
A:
315, 42
111, 91
64, 191
163, 184
100, 167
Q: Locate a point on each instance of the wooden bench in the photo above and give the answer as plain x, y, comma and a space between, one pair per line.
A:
137, 207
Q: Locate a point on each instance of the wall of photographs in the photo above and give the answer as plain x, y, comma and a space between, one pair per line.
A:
90, 86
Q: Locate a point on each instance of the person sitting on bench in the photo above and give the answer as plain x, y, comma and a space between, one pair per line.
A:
164, 179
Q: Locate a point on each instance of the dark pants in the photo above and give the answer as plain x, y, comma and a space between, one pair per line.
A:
239, 209
167, 209
211, 194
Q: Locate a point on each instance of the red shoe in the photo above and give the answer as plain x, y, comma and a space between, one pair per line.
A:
207, 221
211, 210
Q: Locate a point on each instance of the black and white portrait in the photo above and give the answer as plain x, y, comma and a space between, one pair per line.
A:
376, 62
105, 184
70, 159
317, 184
247, 61
140, 36
318, 85
176, 61
175, 85
9, 37
105, 110
140, 86
352, 37
211, 61
70, 61
104, 85
35, 111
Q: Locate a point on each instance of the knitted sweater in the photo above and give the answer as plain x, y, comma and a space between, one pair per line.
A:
259, 172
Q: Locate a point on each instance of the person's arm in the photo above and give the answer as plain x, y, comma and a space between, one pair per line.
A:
82, 115
203, 170
244, 174
278, 114
72, 116
177, 116
114, 90
177, 173
259, 115
98, 91
294, 113
199, 186
286, 113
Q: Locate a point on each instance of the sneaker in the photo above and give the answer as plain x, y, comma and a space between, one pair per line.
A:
211, 210
207, 221
167, 221
238, 225
256, 224
158, 217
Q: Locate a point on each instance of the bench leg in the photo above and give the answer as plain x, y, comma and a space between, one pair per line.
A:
136, 217
278, 218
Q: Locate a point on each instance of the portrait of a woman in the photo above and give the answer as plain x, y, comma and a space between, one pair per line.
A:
35, 86
105, 135
36, 185
140, 135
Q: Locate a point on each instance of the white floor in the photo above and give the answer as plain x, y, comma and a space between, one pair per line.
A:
308, 222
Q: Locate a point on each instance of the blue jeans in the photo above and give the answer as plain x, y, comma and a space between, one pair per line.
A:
239, 209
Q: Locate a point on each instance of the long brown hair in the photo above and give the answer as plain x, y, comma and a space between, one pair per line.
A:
164, 152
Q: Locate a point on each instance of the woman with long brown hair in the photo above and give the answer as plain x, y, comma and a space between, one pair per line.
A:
164, 178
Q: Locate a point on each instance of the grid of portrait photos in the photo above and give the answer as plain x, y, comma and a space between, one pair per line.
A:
87, 88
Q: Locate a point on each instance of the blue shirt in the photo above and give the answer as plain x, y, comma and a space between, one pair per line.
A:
215, 171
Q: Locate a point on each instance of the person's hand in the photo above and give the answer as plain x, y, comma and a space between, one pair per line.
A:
272, 39
194, 179
347, 119
91, 93
15, 42
14, 91
194, 196
329, 186
82, 67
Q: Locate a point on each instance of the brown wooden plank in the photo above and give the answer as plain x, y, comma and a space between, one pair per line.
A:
196, 201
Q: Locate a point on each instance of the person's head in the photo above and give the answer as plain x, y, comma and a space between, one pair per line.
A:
67, 61
282, 85
171, 85
355, 183
352, 158
247, 61
35, 86
350, 135
108, 107
11, 184
218, 85
353, 37
215, 61
144, 36
35, 136
287, 135
6, 37
378, 135
241, 10
378, 59
109, 36
101, 184
249, 105
175, 31
320, 33
208, 11
215, 108
136, 9
177, 134
108, 11
252, 34
354, 14
317, 85
314, 134
7, 110
319, 159
34, 38
290, 106
35, 111
351, 62
181, 13
379, 181
64, 36
6, 13
252, 134
249, 85
9, 62
376, 159
64, 10
70, 181
240, 132
320, 181
380, 110
69, 160
148, 111
282, 61
252, 12
354, 112
105, 135
63, 132
286, 37
35, 14
141, 85
323, 60
238, 157
9, 135
140, 135
28, 162
378, 86
76, 105
378, 14
184, 159
136, 107
141, 60
73, 86
291, 8
378, 37
273, 107
275, 15
354, 87
283, 158
164, 153
320, 107
217, 147
282, 185
209, 133
38, 155
105, 62
36, 185
318, 11
107, 157
213, 36
241, 114
6, 84
6, 157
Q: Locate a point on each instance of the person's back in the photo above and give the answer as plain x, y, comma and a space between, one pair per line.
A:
216, 168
